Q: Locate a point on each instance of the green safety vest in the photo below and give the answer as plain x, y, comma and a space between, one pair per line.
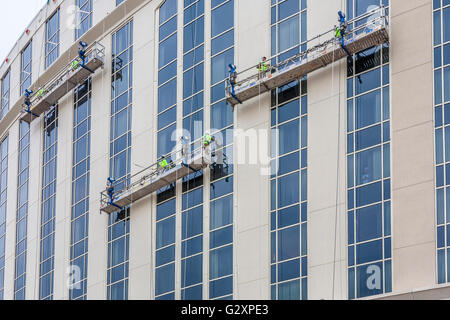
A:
338, 33
40, 93
163, 163
207, 139
74, 64
263, 66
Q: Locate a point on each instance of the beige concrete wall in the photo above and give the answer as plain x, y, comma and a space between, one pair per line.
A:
143, 150
326, 163
414, 247
251, 188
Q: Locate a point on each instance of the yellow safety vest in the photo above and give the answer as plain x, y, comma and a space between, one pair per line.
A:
207, 139
163, 163
263, 66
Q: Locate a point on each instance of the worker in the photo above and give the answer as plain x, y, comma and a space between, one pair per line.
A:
110, 191
74, 65
341, 31
207, 140
40, 93
82, 52
27, 98
232, 80
162, 164
233, 74
262, 67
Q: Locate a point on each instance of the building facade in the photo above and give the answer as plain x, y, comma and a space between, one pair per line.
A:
332, 186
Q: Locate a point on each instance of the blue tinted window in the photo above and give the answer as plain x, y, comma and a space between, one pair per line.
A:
191, 247
368, 166
165, 256
221, 262
165, 232
368, 81
368, 194
193, 34
289, 137
167, 10
221, 187
192, 222
191, 269
221, 237
370, 251
369, 223
289, 270
369, 280
288, 190
167, 50
220, 287
193, 81
288, 243
288, 34
368, 109
165, 281
289, 216
368, 137
222, 42
222, 18
221, 212
219, 65
168, 28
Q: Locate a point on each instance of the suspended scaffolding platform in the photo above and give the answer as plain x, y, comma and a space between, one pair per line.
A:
152, 179
63, 82
372, 29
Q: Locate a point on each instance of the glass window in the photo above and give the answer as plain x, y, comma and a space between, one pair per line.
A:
25, 78
288, 243
288, 34
221, 262
165, 282
288, 190
289, 137
52, 39
369, 223
368, 109
368, 166
84, 17
222, 18
219, 65
221, 212
168, 50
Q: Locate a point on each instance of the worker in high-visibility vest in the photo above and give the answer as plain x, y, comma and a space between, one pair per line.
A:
162, 163
340, 31
40, 93
207, 140
262, 67
74, 64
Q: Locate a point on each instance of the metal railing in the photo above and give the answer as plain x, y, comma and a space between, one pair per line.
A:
374, 19
183, 157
